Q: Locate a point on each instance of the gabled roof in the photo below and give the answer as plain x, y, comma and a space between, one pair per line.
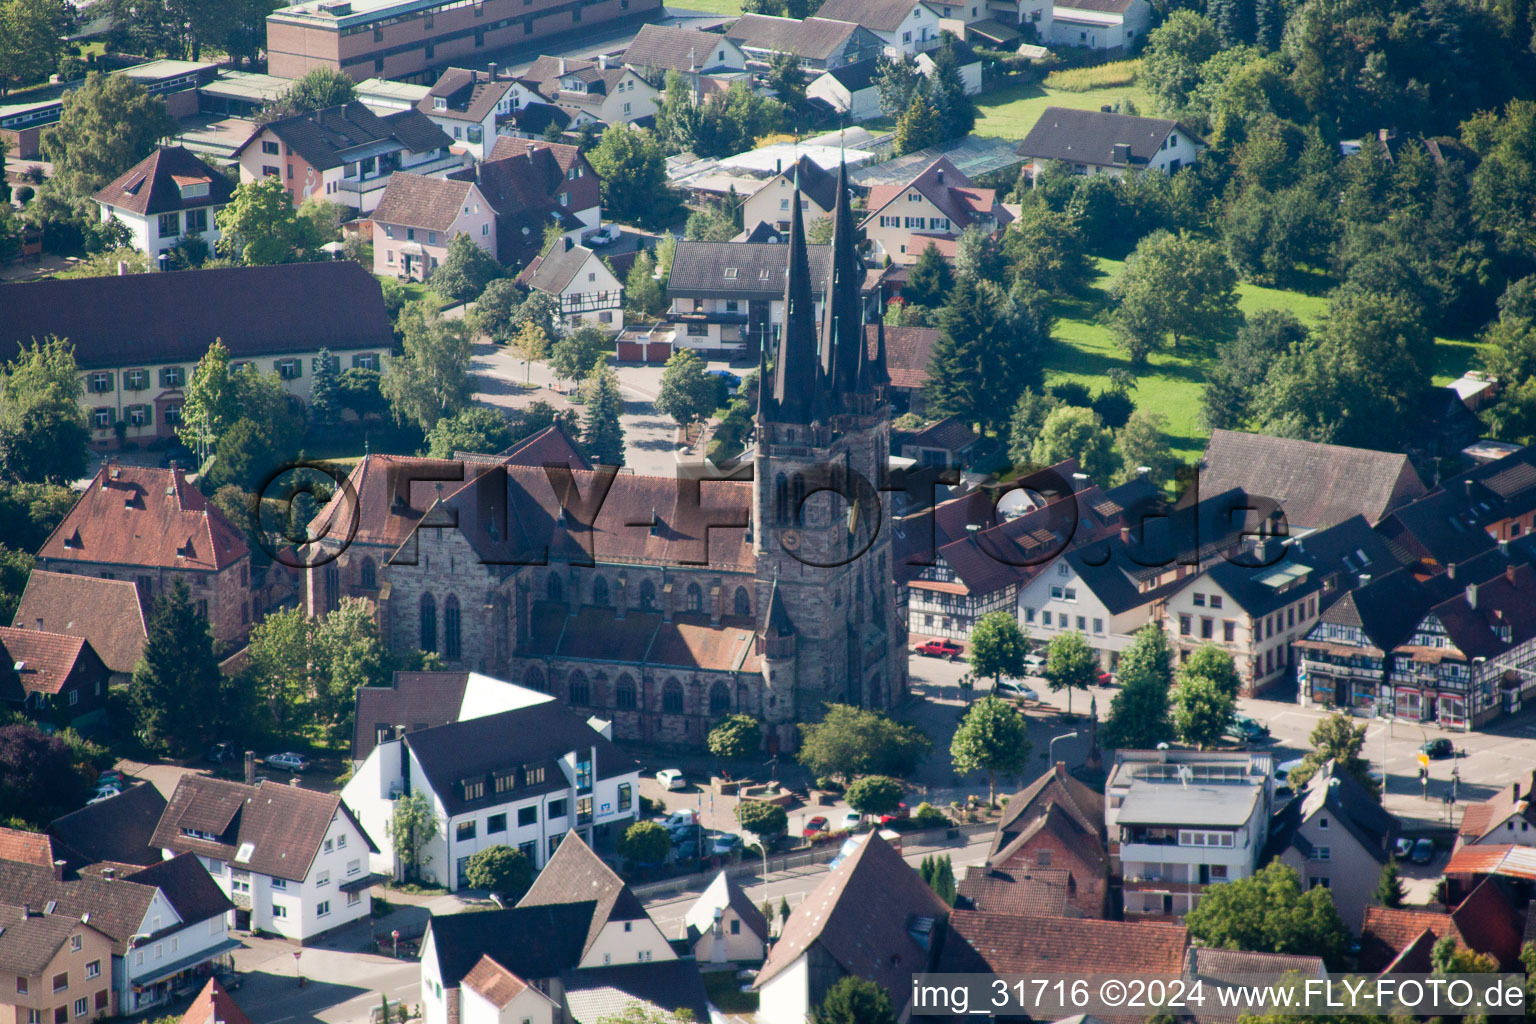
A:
1441, 529
857, 76
23, 847
213, 1005
1090, 136
1317, 485
336, 135
946, 187
576, 875
1078, 819
415, 700
118, 830
1386, 609
878, 15
44, 662
1102, 6
532, 942
661, 986
416, 200
872, 914
951, 434
817, 185
470, 95
1478, 618
109, 614
187, 886
282, 825
145, 319
1506, 859
1515, 801
144, 516
740, 270
1338, 794
720, 894
908, 351
495, 983
153, 185
978, 943
1484, 922
1037, 892
675, 49
811, 38
29, 939
553, 272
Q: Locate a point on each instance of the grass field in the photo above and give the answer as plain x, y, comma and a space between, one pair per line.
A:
1085, 351
720, 7
1010, 113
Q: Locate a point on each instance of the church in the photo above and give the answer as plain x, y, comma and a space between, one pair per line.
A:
662, 604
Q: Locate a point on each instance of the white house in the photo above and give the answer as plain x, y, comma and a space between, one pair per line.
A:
1099, 142
849, 89
522, 778
770, 203
1183, 820
935, 205
491, 994
595, 90
165, 199
905, 26
726, 295
465, 104
724, 925
294, 861
588, 291
658, 49
1099, 24
1506, 818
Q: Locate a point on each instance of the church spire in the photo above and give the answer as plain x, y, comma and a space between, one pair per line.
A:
842, 324
764, 385
795, 376
873, 375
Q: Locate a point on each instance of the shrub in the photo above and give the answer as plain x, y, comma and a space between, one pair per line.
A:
929, 816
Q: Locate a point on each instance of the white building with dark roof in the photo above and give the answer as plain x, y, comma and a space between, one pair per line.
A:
819, 43
466, 103
165, 199
1100, 142
579, 280
724, 925
1098, 24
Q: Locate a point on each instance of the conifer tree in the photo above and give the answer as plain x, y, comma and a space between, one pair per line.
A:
602, 433
176, 682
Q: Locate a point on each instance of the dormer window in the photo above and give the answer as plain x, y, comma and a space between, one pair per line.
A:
243, 855
193, 189
439, 103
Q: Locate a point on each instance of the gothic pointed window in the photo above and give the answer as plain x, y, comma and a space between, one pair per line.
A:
428, 611
624, 692
695, 598
647, 595
451, 648
672, 697
743, 602
555, 588
719, 699
600, 592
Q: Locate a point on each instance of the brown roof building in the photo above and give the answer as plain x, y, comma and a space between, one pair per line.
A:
118, 830
213, 1005
107, 613
1484, 922
977, 943
1054, 824
55, 964
58, 674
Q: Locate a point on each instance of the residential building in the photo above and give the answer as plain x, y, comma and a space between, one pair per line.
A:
165, 923
723, 925
294, 861
820, 43
936, 205
491, 994
419, 216
658, 49
870, 917
466, 103
213, 1005
1054, 824
1180, 820
849, 89
1400, 940
1100, 142
1512, 865
1501, 495
1507, 818
423, 700
616, 928
533, 944
409, 38
109, 614
770, 204
55, 963
1115, 25
982, 943
531, 184
167, 198
345, 154
904, 26
174, 81
948, 443
1336, 835
117, 830
1344, 659
154, 528
601, 90
908, 354
580, 282
137, 338
53, 677
729, 296
523, 777
1316, 485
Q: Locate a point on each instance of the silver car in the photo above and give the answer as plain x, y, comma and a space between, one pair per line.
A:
288, 762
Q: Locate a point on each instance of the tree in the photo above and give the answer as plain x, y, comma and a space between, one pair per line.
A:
30, 512
631, 163
177, 680
687, 392
854, 1000
1216, 665
1269, 913
1449, 956
572, 357
919, 127
478, 428
645, 842
325, 391
411, 827
1044, 249
930, 280
763, 820
1070, 665
43, 430
1138, 714
1143, 441
430, 378
946, 92
732, 121
642, 291
15, 569
734, 737
40, 776
1171, 60
1024, 426
211, 403
709, 225
105, 127
991, 738
259, 225
1336, 738
899, 82
875, 794
1504, 184
998, 645
852, 741
346, 653
943, 883
1509, 354
1242, 364
787, 80
357, 389
31, 34
603, 432
317, 89
1174, 286
501, 869
987, 353
532, 343
677, 115
637, 1013
1202, 710
1389, 887
465, 271
278, 668
1070, 432
496, 311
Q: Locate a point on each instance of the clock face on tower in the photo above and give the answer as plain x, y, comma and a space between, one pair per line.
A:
791, 540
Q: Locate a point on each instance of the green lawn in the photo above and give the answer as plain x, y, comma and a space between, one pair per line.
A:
1085, 351
721, 7
1012, 112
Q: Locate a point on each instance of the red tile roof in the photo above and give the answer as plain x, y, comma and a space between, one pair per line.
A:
109, 614
1508, 860
908, 351
142, 516
1387, 932
1006, 944
213, 1005
25, 847
493, 981
45, 661
1039, 892
946, 187
1514, 799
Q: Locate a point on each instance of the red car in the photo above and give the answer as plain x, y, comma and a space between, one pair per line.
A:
1106, 679
937, 648
900, 813
815, 825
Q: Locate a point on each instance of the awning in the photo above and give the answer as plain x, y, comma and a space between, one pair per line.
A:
175, 967
365, 882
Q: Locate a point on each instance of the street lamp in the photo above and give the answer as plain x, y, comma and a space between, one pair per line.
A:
1051, 748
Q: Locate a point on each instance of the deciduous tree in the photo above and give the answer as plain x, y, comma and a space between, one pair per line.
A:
43, 430
852, 741
501, 869
1138, 713
632, 165
478, 428
1202, 710
317, 89
1270, 913
430, 378
1336, 738
1070, 664
735, 737
1174, 287
1070, 432
998, 646
919, 127
687, 392
875, 794
991, 738
762, 819
854, 1000
40, 776
465, 271
572, 357
412, 826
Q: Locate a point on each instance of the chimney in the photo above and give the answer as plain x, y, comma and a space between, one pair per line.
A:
474, 76
562, 65
1472, 596
1450, 570
1504, 547
26, 911
1514, 791
569, 242
1365, 578
1468, 485
1122, 153
1106, 109
1509, 574
122, 268
163, 262
39, 625
58, 870
939, 175
109, 874
490, 70
602, 61
250, 767
1125, 535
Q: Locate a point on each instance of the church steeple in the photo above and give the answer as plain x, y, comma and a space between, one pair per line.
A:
796, 376
873, 375
764, 385
842, 324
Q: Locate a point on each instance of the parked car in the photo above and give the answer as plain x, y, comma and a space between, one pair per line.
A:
102, 794
221, 752
814, 826
683, 817
1402, 849
604, 236
732, 381
688, 849
1249, 730
1106, 679
1438, 749
1012, 689
901, 813
684, 833
1034, 664
851, 821
1284, 769
288, 762
939, 648
1423, 851
726, 844
110, 777
671, 778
